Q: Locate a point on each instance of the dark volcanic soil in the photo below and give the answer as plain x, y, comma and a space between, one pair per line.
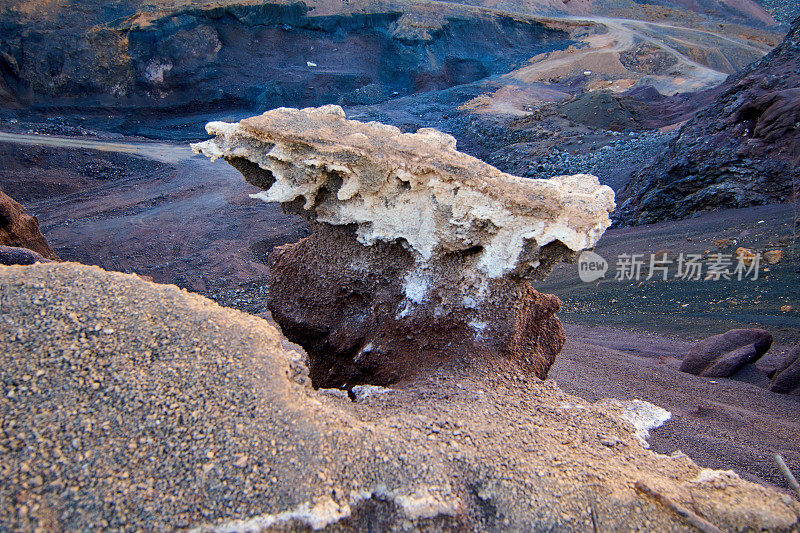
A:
686, 307
188, 222
720, 423
626, 338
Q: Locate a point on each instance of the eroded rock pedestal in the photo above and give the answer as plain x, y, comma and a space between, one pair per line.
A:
370, 315
419, 254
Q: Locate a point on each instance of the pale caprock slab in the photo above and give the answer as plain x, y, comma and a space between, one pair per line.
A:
414, 187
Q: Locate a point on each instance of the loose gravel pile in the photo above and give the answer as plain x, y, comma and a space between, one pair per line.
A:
784, 11
612, 158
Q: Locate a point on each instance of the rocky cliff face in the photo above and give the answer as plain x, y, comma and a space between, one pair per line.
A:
742, 150
252, 56
18, 229
419, 254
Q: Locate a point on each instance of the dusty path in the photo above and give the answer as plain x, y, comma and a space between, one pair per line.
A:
161, 152
187, 221
600, 55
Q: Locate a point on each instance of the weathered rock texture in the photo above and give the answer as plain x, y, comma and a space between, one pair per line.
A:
419, 253
743, 150
356, 311
129, 406
724, 354
21, 230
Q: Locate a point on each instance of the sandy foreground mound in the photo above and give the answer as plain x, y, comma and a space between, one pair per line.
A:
132, 405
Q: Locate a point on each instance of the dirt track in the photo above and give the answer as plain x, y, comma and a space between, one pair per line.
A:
189, 221
161, 152
601, 54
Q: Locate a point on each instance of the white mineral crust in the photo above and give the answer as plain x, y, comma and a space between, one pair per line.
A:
414, 187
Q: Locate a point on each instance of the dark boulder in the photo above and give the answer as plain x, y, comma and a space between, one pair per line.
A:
786, 375
723, 355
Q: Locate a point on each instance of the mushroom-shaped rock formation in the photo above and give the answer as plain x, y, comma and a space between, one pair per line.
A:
419, 253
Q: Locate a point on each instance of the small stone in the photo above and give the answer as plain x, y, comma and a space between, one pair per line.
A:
609, 440
745, 255
773, 256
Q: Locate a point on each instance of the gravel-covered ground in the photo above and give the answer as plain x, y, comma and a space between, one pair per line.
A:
611, 156
784, 11
135, 406
720, 423
685, 307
